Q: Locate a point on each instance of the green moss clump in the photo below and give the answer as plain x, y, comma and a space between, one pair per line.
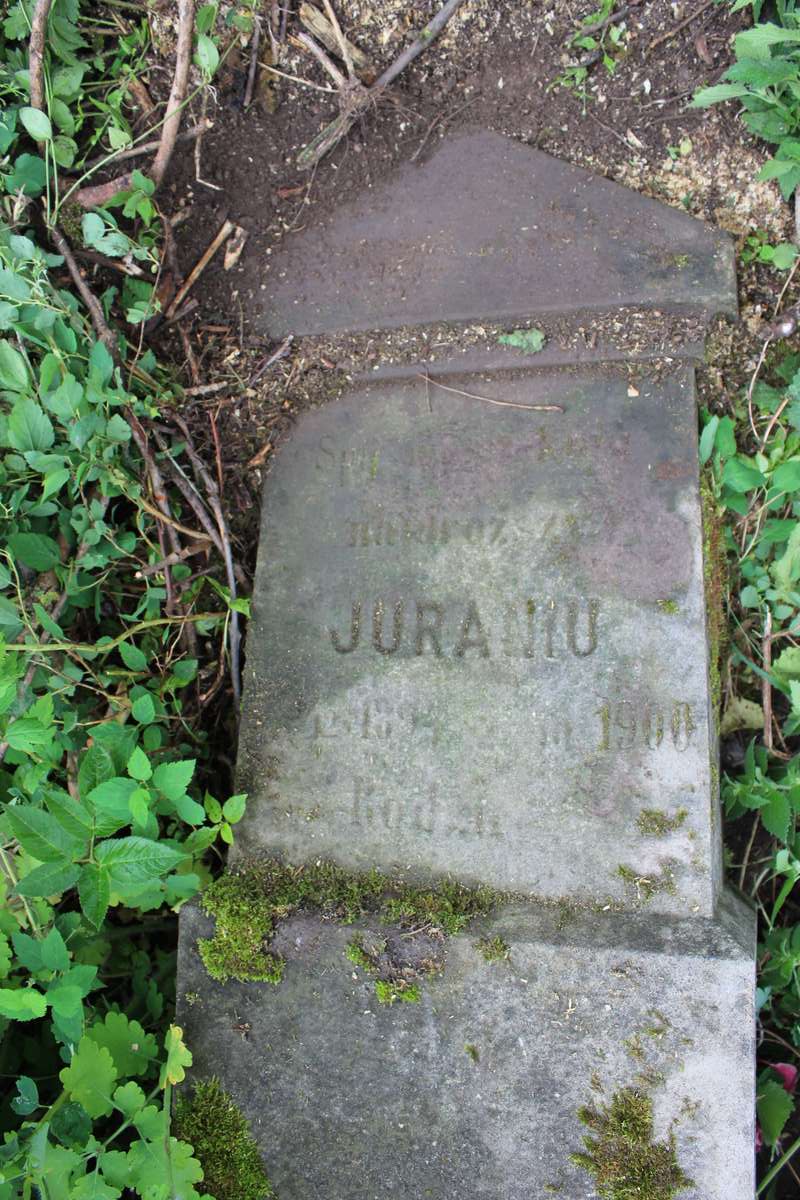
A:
669, 606
652, 822
621, 1155
357, 954
494, 949
473, 1051
389, 991
220, 1136
248, 906
647, 885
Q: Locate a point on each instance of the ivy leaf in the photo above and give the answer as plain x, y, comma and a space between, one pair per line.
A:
41, 835
23, 1004
178, 1057
29, 427
90, 1077
94, 893
126, 1041
774, 1106
172, 779
36, 123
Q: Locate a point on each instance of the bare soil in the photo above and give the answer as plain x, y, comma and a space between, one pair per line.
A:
497, 66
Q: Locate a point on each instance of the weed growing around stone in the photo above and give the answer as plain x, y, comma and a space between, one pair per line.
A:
247, 907
621, 1154
494, 949
219, 1134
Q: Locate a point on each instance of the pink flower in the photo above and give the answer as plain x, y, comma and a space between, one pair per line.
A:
788, 1075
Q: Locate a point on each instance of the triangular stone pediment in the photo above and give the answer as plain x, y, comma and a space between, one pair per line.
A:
489, 228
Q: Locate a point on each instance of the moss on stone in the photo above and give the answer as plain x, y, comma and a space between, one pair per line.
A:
669, 606
390, 991
715, 576
648, 886
653, 822
248, 905
621, 1155
220, 1136
472, 1050
495, 949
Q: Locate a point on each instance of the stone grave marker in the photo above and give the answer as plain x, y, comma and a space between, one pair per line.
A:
479, 651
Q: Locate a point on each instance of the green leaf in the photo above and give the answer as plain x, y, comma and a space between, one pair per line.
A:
206, 56
189, 810
137, 860
132, 656
783, 256
34, 550
740, 475
94, 893
172, 779
93, 1187
531, 341
36, 123
28, 734
24, 1004
774, 1106
707, 439
71, 815
29, 175
126, 1041
178, 1057
66, 1000
93, 227
717, 93
139, 765
118, 429
776, 815
41, 835
110, 802
143, 709
233, 809
90, 1077
129, 1099
787, 475
13, 369
27, 1097
29, 427
55, 955
50, 879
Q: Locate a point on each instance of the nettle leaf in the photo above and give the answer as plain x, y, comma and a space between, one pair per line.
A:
36, 123
29, 427
23, 1004
126, 1041
65, 999
111, 803
143, 709
94, 893
13, 369
774, 1106
178, 1057
139, 765
172, 779
55, 954
90, 1077
41, 835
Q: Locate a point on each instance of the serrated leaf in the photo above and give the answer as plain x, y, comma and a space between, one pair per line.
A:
71, 815
50, 879
137, 860
92, 1186
173, 778
774, 1106
90, 1077
29, 427
178, 1057
94, 893
126, 1041
139, 765
143, 709
24, 1004
65, 1000
741, 475
787, 475
13, 369
55, 955
776, 815
36, 123
41, 835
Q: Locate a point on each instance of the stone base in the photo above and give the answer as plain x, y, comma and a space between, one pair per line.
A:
473, 1093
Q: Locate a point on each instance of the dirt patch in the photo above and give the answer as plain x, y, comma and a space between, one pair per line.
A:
495, 67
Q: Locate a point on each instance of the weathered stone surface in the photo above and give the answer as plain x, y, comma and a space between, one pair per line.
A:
474, 1091
489, 228
478, 640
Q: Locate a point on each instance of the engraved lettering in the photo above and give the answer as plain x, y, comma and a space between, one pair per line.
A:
682, 725
377, 628
355, 632
590, 644
429, 627
549, 629
468, 639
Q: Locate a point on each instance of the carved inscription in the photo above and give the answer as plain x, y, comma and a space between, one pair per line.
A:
547, 627
426, 814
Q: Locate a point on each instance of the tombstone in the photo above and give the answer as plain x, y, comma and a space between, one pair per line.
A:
479, 651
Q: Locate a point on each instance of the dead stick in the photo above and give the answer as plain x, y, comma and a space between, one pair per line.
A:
424, 39
281, 352
177, 96
340, 38
224, 233
87, 295
766, 686
490, 399
148, 147
251, 74
170, 560
599, 26
36, 45
306, 42
671, 33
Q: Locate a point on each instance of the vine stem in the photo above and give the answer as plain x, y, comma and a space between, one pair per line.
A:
779, 1165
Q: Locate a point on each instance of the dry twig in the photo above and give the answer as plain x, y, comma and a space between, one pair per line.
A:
766, 686
490, 399
226, 229
253, 71
36, 45
676, 29
87, 295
